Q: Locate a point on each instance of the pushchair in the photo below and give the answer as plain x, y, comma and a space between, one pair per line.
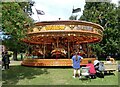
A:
99, 67
85, 75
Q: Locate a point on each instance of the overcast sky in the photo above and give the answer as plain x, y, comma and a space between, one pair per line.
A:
55, 9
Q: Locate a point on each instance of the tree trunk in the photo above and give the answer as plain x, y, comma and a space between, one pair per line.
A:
15, 55
21, 56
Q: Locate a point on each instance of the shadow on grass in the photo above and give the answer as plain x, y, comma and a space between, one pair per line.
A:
16, 73
108, 74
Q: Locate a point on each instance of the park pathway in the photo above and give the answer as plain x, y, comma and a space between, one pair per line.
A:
12, 63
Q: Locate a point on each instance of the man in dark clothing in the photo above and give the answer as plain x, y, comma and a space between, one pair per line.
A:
3, 61
7, 60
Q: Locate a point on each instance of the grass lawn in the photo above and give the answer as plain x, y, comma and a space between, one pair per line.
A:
21, 75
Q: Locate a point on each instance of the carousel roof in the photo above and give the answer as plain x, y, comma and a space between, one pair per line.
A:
67, 31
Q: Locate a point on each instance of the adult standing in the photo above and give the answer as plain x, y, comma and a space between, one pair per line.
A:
3, 61
76, 64
7, 60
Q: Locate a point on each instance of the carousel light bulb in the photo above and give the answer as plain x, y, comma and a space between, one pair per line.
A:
74, 34
68, 34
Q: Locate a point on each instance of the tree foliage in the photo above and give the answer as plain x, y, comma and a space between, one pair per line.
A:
73, 17
105, 14
15, 20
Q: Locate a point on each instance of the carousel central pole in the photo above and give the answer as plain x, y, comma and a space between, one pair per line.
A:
28, 53
68, 49
87, 50
44, 50
57, 41
57, 47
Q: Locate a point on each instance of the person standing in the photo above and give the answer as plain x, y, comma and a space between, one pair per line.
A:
3, 61
7, 60
76, 59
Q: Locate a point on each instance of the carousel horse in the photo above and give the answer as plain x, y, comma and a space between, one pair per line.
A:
59, 52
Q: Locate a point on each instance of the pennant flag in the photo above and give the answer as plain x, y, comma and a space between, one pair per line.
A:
40, 12
76, 10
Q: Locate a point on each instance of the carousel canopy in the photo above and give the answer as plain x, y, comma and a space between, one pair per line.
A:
68, 31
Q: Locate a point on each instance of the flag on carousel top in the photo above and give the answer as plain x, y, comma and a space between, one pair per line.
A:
40, 12
76, 10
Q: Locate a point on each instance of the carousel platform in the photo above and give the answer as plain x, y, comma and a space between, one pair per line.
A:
52, 62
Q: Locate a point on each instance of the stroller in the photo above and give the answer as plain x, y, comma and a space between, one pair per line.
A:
99, 67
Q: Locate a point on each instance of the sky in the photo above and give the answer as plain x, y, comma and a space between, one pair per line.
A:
55, 9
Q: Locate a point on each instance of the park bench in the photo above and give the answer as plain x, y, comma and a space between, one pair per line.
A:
110, 67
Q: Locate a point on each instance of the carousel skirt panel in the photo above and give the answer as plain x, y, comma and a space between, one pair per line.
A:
53, 62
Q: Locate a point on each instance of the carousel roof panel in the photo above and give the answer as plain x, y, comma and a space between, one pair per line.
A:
68, 22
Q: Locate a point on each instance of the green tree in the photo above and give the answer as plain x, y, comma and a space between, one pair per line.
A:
73, 17
105, 14
15, 20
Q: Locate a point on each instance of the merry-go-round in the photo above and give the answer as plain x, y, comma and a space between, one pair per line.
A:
52, 43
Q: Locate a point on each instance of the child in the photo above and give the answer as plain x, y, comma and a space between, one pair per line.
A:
92, 70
